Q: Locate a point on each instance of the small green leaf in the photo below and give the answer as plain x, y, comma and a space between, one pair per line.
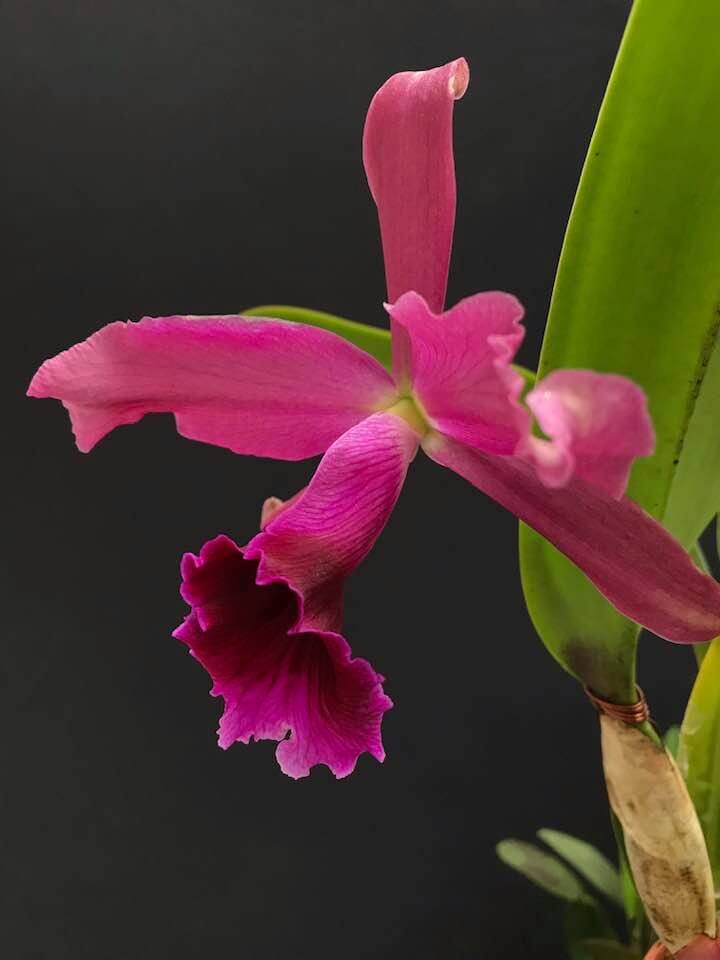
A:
596, 949
699, 751
542, 869
637, 293
373, 340
589, 862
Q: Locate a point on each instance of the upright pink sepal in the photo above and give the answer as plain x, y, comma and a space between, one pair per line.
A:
264, 387
598, 423
408, 157
458, 366
629, 557
266, 618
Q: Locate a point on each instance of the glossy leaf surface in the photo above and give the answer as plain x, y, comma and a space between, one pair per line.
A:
699, 752
637, 293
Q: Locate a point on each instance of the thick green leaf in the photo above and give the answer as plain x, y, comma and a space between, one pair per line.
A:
589, 862
699, 751
695, 492
542, 869
637, 293
374, 340
700, 560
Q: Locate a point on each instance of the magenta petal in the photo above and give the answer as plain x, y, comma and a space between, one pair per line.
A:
598, 423
332, 525
629, 557
264, 387
408, 157
265, 619
276, 676
457, 364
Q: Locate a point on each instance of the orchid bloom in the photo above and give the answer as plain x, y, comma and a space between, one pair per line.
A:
266, 618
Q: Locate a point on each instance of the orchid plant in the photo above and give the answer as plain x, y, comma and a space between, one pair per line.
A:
557, 451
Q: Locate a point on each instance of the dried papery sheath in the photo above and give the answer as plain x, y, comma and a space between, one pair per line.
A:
664, 840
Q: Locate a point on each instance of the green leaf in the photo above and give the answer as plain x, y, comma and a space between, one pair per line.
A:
589, 862
543, 869
672, 740
583, 922
700, 560
596, 949
374, 340
637, 293
699, 751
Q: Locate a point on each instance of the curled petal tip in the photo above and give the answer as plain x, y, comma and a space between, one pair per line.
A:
269, 508
408, 158
459, 78
274, 506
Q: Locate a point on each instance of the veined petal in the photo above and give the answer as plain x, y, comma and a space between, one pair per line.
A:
457, 365
408, 157
629, 557
265, 619
326, 530
257, 386
598, 423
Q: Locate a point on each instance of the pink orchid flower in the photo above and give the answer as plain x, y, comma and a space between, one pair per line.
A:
266, 618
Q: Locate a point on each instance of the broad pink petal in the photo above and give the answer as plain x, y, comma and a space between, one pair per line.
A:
264, 387
598, 423
457, 364
629, 557
266, 618
408, 157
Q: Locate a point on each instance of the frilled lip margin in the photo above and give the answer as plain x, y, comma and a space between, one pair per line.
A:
282, 675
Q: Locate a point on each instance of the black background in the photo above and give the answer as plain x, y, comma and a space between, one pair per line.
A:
198, 157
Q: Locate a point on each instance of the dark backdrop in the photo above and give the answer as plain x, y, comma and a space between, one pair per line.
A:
194, 157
